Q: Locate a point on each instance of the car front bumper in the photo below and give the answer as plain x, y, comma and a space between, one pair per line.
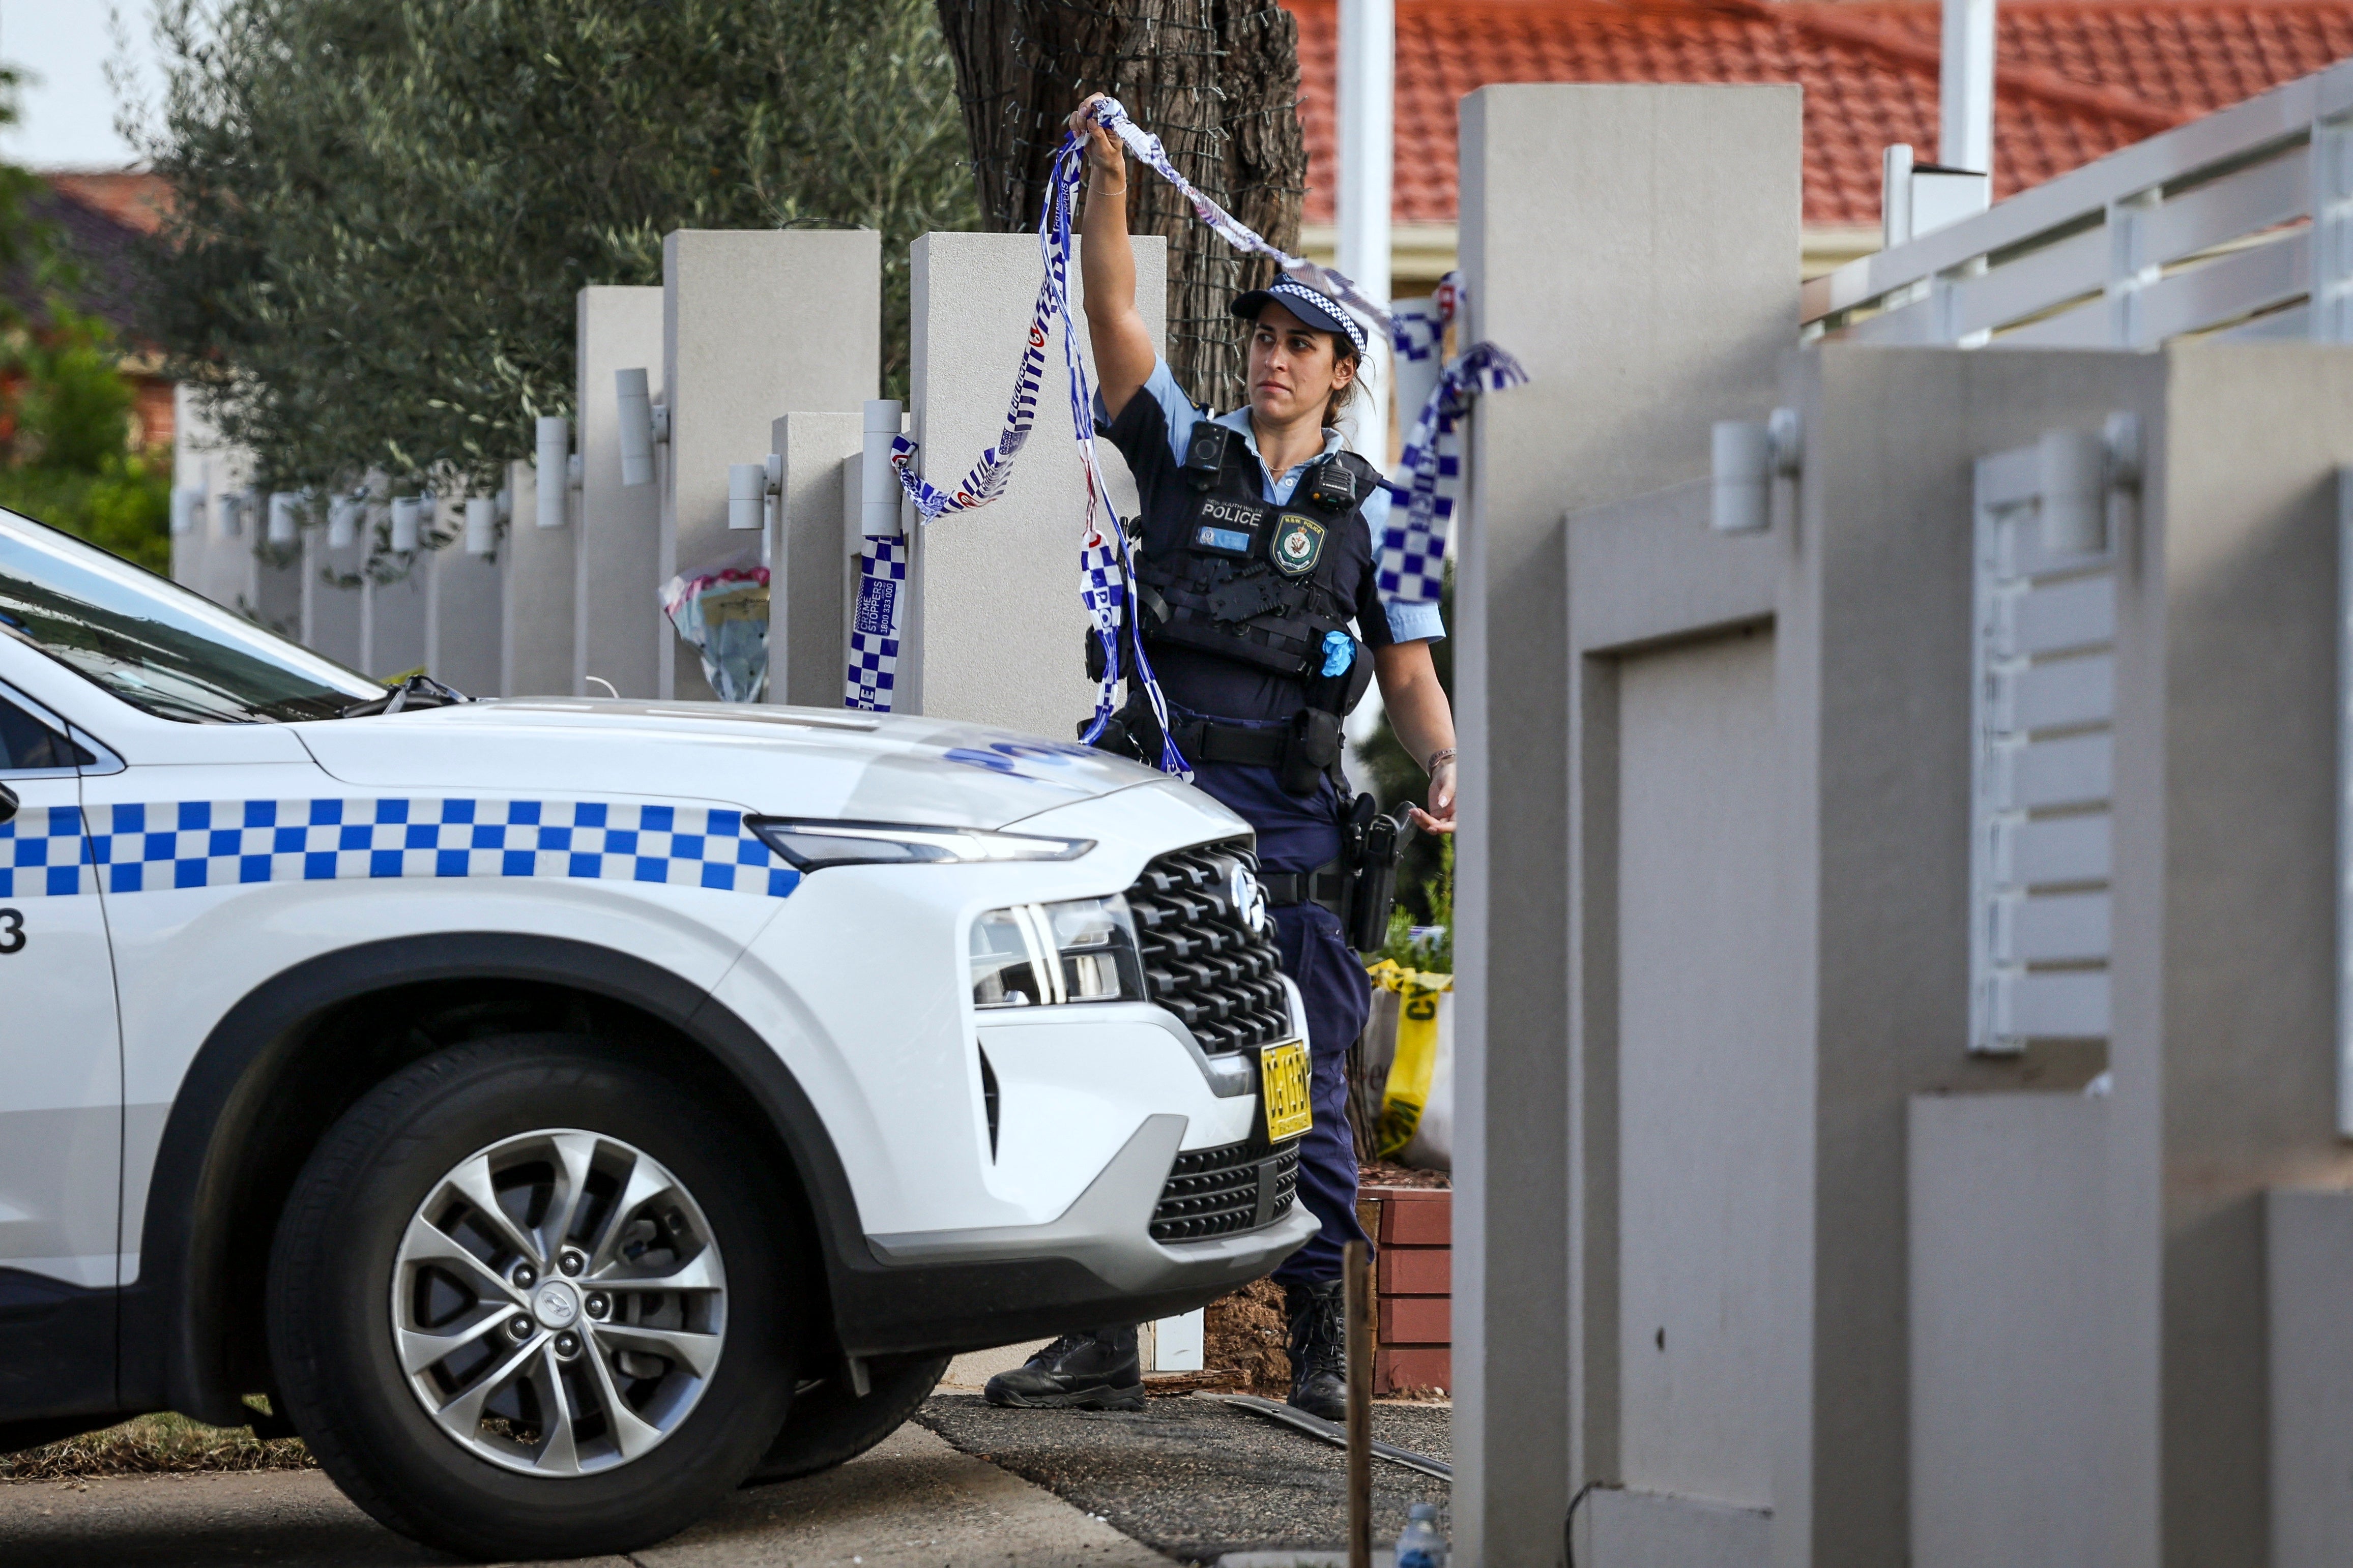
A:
1095, 1264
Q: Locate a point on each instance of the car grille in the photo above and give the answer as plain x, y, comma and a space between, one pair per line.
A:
1201, 961
1235, 1187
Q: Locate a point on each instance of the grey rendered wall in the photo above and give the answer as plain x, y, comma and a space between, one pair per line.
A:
392, 622
1632, 245
539, 578
807, 644
331, 612
1691, 762
2248, 769
1716, 1085
1625, 1529
1892, 436
755, 323
463, 596
617, 628
2009, 1218
2308, 1248
996, 629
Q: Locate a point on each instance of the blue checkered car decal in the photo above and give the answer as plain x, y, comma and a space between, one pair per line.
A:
146, 849
41, 853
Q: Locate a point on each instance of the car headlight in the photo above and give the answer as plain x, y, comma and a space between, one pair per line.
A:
1035, 955
814, 845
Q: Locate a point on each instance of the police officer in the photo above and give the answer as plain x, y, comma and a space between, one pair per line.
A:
1256, 560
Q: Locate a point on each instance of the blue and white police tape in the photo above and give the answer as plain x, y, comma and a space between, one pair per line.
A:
155, 847
1105, 563
1410, 563
872, 679
1412, 547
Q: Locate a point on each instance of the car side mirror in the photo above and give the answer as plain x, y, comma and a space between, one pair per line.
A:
8, 803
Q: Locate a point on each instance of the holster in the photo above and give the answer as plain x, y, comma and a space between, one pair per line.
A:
1377, 843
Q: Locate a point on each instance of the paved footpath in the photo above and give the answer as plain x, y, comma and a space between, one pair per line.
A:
913, 1503
1198, 1480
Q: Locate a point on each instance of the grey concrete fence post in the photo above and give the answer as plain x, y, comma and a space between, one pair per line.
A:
754, 323
617, 624
996, 631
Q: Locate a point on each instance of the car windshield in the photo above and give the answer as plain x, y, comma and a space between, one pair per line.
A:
154, 644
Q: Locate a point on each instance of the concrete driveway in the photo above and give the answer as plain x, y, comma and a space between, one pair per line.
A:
914, 1502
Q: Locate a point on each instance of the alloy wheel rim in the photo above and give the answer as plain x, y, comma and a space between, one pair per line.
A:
558, 1303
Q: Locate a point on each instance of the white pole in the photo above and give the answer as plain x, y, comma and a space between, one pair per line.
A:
1367, 108
1965, 87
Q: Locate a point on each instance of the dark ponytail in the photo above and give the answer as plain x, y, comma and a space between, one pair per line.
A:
1345, 351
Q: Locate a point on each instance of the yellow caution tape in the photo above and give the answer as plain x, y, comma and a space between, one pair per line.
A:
1416, 1062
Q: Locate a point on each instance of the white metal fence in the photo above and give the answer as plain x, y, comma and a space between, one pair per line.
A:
2239, 225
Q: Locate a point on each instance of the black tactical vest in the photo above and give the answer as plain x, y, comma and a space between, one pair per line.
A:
1229, 574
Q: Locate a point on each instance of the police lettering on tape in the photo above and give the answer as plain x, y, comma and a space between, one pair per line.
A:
874, 625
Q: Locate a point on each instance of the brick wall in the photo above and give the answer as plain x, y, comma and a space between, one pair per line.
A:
1413, 1230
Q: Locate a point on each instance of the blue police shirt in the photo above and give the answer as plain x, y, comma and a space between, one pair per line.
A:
1295, 833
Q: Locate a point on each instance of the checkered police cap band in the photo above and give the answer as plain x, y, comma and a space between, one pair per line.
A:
1321, 311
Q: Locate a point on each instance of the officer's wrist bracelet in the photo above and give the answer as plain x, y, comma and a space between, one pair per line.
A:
1443, 754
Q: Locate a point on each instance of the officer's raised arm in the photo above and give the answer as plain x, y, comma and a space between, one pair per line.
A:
1122, 342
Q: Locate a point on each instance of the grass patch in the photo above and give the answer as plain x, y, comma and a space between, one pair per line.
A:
155, 1445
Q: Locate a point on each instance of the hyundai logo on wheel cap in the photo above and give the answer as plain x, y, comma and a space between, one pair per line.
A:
555, 1304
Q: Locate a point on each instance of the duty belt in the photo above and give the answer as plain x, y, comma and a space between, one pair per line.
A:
1206, 741
1326, 885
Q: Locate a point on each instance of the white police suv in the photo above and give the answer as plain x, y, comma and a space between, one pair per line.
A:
562, 1110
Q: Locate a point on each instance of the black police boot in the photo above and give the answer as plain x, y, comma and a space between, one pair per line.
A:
1319, 1348
1097, 1370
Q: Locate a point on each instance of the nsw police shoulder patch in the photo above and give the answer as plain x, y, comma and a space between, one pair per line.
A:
1298, 544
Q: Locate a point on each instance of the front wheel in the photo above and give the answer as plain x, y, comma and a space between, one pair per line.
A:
529, 1300
831, 1424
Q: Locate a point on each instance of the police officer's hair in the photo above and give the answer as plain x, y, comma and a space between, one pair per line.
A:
1342, 396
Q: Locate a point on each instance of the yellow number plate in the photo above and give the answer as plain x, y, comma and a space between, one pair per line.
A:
1283, 1080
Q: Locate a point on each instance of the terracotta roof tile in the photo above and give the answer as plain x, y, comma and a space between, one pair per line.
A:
2075, 79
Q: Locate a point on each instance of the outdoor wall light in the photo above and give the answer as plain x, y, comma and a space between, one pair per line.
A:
747, 489
554, 467
188, 508
342, 522
751, 492
481, 524
408, 522
644, 422
2081, 470
878, 481
1745, 457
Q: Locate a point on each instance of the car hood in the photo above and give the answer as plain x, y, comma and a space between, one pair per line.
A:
776, 761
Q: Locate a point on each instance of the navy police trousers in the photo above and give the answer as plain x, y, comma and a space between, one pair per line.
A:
1338, 997
1299, 833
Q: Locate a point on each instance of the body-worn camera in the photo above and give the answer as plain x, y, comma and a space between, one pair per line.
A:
1205, 453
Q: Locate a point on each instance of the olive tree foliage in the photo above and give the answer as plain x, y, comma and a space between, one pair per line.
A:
386, 207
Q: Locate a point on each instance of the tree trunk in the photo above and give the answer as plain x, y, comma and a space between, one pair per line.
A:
1216, 80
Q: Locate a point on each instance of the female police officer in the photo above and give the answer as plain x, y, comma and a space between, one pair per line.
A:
1257, 555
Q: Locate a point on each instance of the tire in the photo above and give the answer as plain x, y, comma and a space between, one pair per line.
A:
829, 1426
497, 1441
